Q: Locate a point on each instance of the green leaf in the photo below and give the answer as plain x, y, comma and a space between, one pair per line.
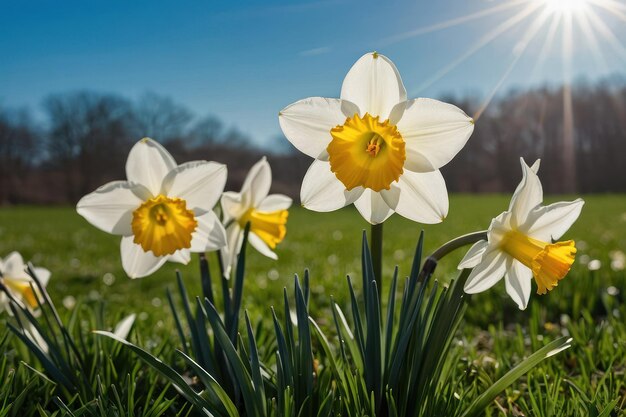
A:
478, 406
166, 371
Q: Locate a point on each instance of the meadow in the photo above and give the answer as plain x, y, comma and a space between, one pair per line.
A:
587, 380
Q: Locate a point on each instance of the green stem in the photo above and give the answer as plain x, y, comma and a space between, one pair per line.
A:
431, 263
376, 244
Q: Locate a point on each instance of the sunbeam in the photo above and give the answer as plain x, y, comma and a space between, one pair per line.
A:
518, 52
482, 42
606, 33
449, 23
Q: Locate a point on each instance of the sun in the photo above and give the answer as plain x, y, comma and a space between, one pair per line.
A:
565, 6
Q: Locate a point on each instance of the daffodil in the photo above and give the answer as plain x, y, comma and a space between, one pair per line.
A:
163, 212
520, 243
15, 279
267, 215
374, 148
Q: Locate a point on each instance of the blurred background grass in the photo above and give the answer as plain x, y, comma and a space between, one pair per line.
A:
85, 262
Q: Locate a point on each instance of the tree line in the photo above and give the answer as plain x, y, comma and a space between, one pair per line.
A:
85, 138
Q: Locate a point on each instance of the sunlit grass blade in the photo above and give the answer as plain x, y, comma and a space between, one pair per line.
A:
478, 406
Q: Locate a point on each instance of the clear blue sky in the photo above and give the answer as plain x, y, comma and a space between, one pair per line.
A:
244, 61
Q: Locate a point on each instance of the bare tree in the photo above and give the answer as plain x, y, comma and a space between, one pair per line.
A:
160, 118
18, 153
88, 138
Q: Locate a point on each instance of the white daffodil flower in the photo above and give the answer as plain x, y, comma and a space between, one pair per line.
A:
374, 148
267, 215
163, 212
17, 281
519, 243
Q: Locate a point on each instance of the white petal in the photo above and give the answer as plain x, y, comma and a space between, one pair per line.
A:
275, 202
110, 208
229, 254
122, 329
535, 167
485, 275
372, 207
148, 163
257, 184
307, 123
474, 255
499, 227
433, 132
322, 191
518, 282
43, 275
258, 244
551, 222
419, 196
374, 85
527, 196
231, 206
182, 256
209, 235
136, 262
199, 183
14, 266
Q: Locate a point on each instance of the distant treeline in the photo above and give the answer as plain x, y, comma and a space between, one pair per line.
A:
86, 136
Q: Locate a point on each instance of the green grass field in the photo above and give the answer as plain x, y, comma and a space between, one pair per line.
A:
588, 305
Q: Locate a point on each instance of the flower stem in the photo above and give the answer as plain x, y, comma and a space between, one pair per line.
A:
376, 244
431, 262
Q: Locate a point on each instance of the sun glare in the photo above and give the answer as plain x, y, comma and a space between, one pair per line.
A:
565, 6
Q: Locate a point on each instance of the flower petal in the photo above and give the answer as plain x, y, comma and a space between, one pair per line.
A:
374, 85
43, 275
258, 244
373, 207
307, 123
433, 132
182, 256
136, 262
231, 206
110, 208
199, 183
229, 254
419, 196
518, 280
148, 163
527, 196
322, 191
257, 184
209, 235
474, 255
14, 266
123, 328
485, 275
275, 202
549, 223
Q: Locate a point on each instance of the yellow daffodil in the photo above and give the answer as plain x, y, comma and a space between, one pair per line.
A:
520, 243
267, 215
374, 148
17, 281
163, 212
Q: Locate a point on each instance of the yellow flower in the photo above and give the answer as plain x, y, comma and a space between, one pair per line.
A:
519, 244
18, 282
267, 215
374, 148
163, 212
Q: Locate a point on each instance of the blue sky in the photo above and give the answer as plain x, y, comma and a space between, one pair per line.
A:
244, 61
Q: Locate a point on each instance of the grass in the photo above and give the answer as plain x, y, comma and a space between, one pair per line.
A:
588, 305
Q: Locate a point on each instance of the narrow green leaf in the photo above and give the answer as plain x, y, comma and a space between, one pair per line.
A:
166, 371
479, 405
